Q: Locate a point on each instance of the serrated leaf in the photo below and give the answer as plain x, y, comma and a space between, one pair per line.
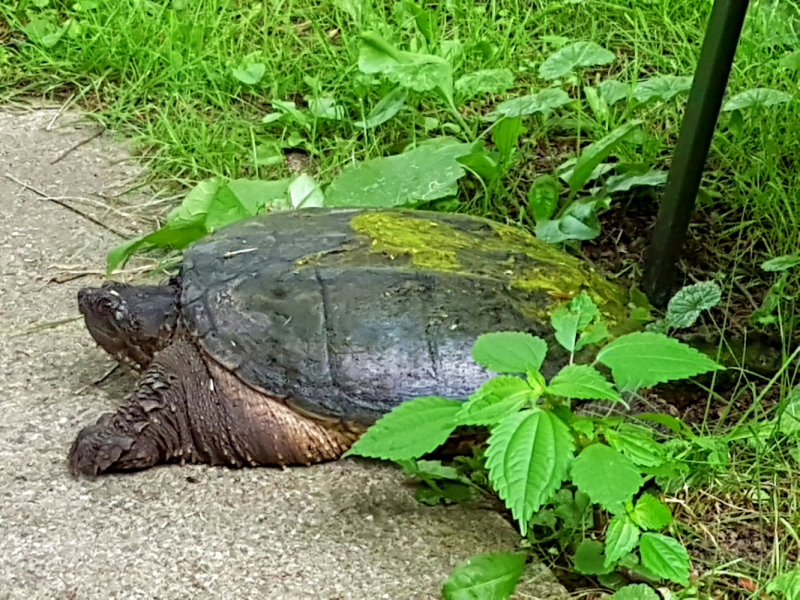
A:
489, 576
570, 319
636, 443
608, 477
543, 197
623, 183
787, 584
410, 430
488, 81
496, 399
597, 332
305, 192
637, 591
661, 88
612, 91
426, 173
589, 558
643, 359
622, 536
543, 101
651, 513
594, 154
579, 54
687, 304
756, 98
781, 263
582, 382
385, 109
509, 351
528, 457
665, 557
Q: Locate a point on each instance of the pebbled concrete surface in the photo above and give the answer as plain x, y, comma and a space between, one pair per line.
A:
335, 531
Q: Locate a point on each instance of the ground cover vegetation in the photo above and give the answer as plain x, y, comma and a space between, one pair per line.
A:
560, 117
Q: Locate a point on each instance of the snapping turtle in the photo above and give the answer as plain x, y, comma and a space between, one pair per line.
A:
285, 336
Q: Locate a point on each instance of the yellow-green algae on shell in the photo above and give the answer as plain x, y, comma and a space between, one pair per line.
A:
493, 250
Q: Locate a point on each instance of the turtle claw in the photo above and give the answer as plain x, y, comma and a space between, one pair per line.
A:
97, 449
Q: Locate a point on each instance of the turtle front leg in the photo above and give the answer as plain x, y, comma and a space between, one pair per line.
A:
188, 408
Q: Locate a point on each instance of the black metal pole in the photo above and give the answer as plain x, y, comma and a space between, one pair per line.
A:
688, 162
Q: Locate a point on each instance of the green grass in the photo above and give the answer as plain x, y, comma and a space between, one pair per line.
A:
161, 73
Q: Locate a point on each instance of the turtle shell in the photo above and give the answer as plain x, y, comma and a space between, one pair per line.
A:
346, 313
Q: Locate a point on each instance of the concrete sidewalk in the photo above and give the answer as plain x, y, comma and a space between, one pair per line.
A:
343, 530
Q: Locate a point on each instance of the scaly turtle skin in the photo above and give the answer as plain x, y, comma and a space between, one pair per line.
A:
286, 335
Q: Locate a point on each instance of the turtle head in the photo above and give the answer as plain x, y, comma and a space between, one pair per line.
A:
130, 322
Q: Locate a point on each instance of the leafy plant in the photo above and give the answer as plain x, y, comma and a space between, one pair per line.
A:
538, 449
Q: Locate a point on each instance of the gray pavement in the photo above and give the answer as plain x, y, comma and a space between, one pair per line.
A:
342, 530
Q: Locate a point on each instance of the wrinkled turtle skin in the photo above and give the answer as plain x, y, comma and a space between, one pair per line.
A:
286, 335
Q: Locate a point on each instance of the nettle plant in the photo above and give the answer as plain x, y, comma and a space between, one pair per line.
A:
544, 460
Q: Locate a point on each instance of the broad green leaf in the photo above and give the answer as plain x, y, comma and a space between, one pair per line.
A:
290, 109
781, 263
579, 222
496, 399
567, 168
489, 576
790, 416
636, 443
608, 477
423, 20
43, 31
756, 98
426, 173
636, 591
509, 351
445, 492
589, 558
579, 54
484, 163
650, 513
685, 307
255, 194
326, 108
208, 206
385, 109
528, 457
570, 319
593, 155
644, 359
668, 421
622, 183
661, 88
665, 557
430, 470
597, 104
622, 536
250, 73
612, 91
489, 81
543, 101
597, 332
305, 192
543, 197
410, 430
268, 154
422, 76
505, 135
790, 61
420, 72
582, 382
787, 584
